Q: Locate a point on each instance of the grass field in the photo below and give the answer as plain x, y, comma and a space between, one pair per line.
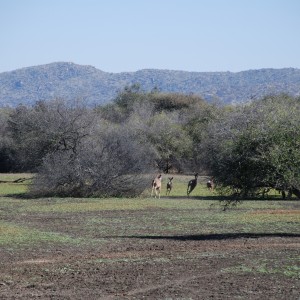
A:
170, 248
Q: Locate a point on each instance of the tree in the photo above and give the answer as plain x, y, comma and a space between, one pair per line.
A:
110, 162
46, 128
170, 102
256, 146
158, 118
124, 104
195, 121
171, 142
7, 154
76, 153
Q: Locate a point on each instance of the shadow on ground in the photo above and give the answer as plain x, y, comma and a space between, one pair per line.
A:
208, 237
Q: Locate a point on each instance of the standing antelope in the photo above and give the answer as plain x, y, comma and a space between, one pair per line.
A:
192, 184
169, 185
156, 186
210, 184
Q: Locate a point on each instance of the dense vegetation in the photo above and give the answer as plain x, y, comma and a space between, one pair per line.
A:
110, 150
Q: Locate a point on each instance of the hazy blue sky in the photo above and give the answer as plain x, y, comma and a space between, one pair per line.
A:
129, 35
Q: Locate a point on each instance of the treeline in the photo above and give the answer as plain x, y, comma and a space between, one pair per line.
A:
111, 150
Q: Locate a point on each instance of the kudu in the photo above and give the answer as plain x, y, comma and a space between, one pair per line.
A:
169, 185
192, 184
156, 186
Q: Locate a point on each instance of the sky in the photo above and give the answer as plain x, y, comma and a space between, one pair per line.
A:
130, 35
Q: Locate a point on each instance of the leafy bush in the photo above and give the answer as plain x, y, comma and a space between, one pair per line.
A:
256, 146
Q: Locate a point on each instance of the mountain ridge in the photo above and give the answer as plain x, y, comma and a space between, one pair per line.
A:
68, 80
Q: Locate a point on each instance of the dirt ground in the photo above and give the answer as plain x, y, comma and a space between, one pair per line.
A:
234, 266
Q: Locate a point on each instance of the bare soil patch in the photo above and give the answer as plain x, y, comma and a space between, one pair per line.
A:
143, 266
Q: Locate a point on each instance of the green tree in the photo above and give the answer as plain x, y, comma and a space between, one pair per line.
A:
170, 140
124, 104
256, 146
7, 154
160, 118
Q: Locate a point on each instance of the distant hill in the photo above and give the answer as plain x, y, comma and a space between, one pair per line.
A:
72, 81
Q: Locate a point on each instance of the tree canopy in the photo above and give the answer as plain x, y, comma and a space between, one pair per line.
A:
256, 146
111, 150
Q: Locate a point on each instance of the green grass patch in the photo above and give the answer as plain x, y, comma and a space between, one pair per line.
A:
69, 205
289, 267
85, 205
13, 188
186, 222
16, 236
14, 183
129, 217
94, 219
270, 216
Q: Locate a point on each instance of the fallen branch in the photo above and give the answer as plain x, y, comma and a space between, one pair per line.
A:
19, 180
